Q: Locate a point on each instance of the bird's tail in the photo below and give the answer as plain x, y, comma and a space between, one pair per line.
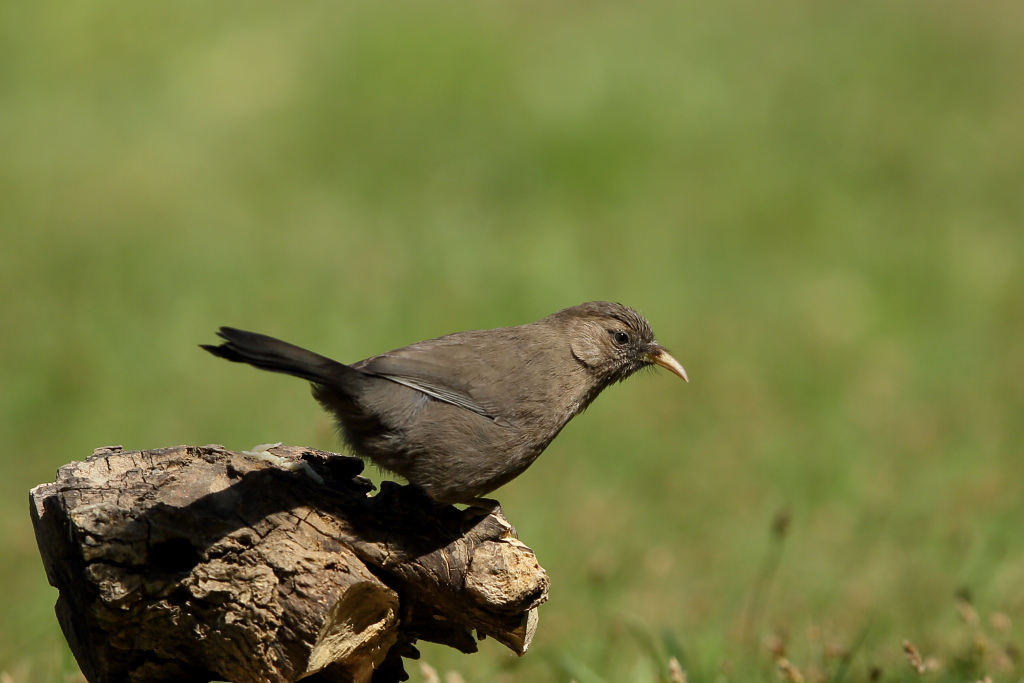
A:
268, 353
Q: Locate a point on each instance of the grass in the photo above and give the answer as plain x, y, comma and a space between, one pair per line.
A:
817, 205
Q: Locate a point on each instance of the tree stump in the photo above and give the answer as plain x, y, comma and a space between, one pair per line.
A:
192, 564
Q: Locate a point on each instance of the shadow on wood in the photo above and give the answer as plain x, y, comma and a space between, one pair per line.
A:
193, 564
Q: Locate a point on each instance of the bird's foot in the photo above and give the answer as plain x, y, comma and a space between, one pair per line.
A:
487, 505
479, 509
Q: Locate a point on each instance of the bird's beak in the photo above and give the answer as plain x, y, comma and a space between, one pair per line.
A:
660, 356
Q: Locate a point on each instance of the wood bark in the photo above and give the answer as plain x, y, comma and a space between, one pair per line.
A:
193, 564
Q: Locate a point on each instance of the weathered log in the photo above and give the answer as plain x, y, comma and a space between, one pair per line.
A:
193, 564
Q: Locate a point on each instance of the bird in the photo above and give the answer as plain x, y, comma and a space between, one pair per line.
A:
460, 415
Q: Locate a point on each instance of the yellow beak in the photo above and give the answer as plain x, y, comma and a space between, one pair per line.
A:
660, 356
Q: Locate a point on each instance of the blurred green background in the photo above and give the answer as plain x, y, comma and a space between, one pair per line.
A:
818, 205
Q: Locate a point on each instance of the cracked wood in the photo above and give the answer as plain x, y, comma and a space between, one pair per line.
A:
199, 563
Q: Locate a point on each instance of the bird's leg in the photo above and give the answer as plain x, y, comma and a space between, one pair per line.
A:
479, 508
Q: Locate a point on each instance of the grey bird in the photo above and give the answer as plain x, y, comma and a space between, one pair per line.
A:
460, 415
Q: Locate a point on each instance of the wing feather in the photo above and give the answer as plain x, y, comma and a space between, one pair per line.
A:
429, 367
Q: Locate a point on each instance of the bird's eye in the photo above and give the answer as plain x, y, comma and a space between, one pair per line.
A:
620, 337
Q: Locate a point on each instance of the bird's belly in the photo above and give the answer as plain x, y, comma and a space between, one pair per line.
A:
454, 454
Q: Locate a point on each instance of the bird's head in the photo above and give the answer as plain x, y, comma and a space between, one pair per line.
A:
613, 341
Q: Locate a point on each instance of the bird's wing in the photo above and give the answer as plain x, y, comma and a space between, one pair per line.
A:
445, 371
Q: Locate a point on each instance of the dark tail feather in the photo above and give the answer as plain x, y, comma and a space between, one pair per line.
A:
268, 353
